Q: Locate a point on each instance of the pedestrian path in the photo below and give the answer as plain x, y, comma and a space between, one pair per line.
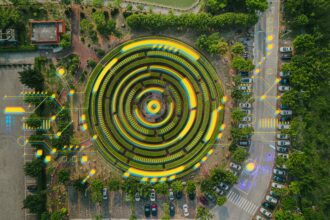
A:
268, 122
242, 203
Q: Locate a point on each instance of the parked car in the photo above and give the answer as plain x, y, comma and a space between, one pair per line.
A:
185, 210
147, 210
244, 143
244, 125
171, 195
224, 186
282, 149
244, 88
247, 111
286, 112
283, 143
284, 107
210, 197
247, 80
265, 212
234, 172
247, 119
277, 185
284, 88
218, 191
285, 49
283, 166
245, 105
178, 195
153, 195
271, 199
172, 210
286, 56
283, 126
137, 197
244, 74
278, 179
283, 136
284, 81
235, 166
284, 155
203, 200
154, 210
258, 217
268, 205
279, 172
284, 74
272, 193
105, 193
32, 188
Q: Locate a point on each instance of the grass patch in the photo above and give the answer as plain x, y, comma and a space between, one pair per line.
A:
173, 3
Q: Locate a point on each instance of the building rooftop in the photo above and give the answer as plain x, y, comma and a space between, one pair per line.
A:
46, 32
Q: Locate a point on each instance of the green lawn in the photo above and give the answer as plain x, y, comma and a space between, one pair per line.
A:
174, 3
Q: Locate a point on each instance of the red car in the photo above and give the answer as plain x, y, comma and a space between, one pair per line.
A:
203, 200
154, 209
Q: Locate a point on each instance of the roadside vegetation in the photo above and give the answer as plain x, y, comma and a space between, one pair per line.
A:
307, 196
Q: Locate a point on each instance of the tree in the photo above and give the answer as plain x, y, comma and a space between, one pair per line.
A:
130, 186
59, 214
114, 184
237, 48
212, 44
96, 190
237, 115
221, 200
203, 214
239, 155
63, 176
304, 43
191, 188
281, 214
166, 212
79, 185
241, 64
34, 121
32, 79
161, 188
98, 3
177, 186
35, 203
34, 168
256, 5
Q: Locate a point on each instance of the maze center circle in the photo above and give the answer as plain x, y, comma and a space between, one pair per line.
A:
153, 106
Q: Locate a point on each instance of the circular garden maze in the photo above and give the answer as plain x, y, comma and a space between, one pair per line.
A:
154, 106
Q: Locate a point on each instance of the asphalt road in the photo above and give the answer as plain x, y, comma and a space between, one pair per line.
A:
246, 196
11, 154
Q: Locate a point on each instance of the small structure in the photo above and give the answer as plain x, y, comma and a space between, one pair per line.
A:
46, 32
7, 36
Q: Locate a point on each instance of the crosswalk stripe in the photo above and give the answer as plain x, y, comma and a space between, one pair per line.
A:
245, 205
242, 202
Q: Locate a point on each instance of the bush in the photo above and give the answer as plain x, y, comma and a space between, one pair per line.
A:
239, 155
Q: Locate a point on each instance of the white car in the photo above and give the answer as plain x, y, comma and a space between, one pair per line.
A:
218, 191
258, 217
247, 111
282, 136
278, 172
247, 80
285, 49
235, 166
244, 125
283, 126
283, 155
224, 186
283, 143
247, 118
286, 112
284, 88
271, 199
185, 210
265, 212
105, 193
277, 185
153, 195
137, 197
244, 88
235, 173
284, 74
245, 105
171, 195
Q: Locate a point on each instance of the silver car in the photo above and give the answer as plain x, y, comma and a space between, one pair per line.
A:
265, 212
244, 88
284, 88
283, 126
235, 166
283, 155
282, 136
278, 172
277, 185
245, 105
244, 125
247, 80
283, 143
286, 112
247, 111
247, 118
285, 49
271, 199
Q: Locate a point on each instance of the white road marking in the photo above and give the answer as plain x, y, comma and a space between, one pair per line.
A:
242, 203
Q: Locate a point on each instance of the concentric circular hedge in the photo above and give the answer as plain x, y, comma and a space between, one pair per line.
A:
154, 107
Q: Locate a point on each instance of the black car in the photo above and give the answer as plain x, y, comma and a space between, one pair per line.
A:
285, 118
244, 74
278, 179
282, 149
147, 210
268, 205
285, 82
178, 195
172, 210
191, 196
32, 188
286, 56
